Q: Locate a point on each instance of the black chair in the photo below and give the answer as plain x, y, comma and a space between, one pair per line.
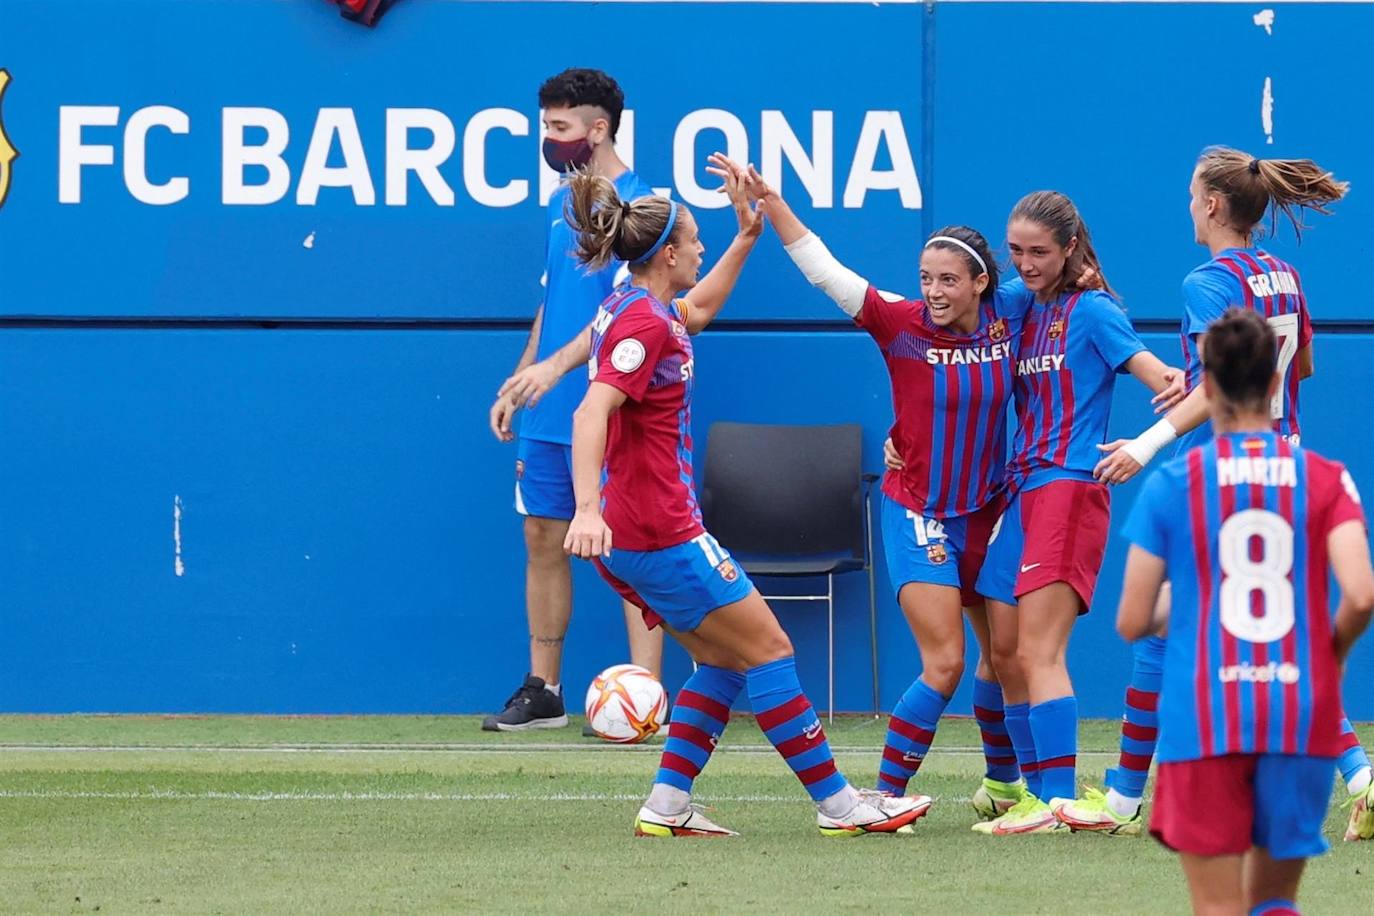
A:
793, 501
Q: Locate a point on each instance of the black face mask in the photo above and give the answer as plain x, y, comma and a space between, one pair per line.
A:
566, 155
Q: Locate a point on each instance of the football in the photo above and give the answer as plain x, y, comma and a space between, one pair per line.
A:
626, 704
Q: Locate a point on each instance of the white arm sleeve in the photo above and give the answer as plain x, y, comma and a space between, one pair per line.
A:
1146, 445
821, 269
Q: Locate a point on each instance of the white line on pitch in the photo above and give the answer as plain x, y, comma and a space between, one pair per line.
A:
656, 748
175, 795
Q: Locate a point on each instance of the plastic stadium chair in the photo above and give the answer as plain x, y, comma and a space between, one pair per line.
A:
791, 502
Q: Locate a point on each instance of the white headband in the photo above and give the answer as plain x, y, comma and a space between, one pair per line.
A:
964, 245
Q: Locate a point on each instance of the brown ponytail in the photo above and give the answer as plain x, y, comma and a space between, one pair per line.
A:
609, 229
1057, 213
1250, 186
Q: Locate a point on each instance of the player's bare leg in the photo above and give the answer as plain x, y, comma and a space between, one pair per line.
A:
1046, 618
1266, 878
646, 645
1214, 884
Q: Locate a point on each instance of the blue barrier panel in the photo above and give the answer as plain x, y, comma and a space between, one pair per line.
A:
318, 521
1111, 103
346, 536
139, 195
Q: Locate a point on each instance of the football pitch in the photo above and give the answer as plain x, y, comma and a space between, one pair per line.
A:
430, 814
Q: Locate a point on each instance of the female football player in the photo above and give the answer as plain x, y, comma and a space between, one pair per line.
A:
1230, 193
1042, 565
637, 516
1247, 529
951, 356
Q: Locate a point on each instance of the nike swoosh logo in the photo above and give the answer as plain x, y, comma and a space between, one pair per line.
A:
1029, 567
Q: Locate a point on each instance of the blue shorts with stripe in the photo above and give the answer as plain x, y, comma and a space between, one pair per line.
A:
947, 551
679, 585
543, 480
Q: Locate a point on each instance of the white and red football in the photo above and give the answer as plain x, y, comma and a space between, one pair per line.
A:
626, 704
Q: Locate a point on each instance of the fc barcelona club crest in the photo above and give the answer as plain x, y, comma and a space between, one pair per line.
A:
937, 554
7, 151
998, 329
1055, 328
727, 570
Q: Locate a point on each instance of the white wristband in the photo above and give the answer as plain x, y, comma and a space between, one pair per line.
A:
1146, 445
823, 271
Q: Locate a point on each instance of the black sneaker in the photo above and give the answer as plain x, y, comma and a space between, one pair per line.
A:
532, 706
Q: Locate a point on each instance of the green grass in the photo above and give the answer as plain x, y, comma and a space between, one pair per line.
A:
429, 814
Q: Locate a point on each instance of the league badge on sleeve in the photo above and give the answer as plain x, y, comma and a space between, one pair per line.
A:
628, 355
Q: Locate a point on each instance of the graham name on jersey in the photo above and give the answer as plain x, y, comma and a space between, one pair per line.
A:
1274, 283
961, 356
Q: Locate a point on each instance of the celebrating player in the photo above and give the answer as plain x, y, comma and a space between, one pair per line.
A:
1230, 193
950, 356
643, 528
1042, 564
582, 111
1245, 528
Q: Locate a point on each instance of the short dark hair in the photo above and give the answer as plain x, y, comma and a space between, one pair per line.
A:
1240, 351
581, 86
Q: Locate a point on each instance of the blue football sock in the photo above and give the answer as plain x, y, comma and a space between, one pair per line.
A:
909, 734
997, 748
1140, 726
1054, 725
700, 713
792, 727
1018, 727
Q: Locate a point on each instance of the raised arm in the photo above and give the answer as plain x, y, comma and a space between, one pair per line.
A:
807, 251
705, 300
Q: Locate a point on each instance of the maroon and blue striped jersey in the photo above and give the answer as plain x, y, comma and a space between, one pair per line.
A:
1071, 349
950, 393
641, 347
1242, 524
1254, 279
